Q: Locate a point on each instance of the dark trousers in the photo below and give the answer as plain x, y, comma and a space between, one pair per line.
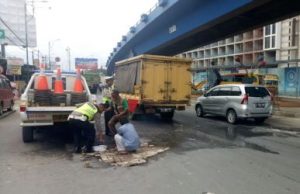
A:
84, 133
107, 116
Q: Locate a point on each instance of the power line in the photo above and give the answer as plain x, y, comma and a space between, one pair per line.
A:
11, 40
7, 26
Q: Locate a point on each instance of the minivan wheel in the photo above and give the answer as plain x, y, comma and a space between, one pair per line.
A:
231, 116
199, 111
27, 134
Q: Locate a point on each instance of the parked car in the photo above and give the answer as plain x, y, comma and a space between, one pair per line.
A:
6, 95
236, 101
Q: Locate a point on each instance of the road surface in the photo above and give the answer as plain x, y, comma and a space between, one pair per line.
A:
206, 155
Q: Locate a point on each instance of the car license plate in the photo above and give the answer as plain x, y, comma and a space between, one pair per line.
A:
260, 105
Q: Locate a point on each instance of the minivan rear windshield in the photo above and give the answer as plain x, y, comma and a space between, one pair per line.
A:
257, 91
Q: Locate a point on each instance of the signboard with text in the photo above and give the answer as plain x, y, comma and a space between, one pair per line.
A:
86, 63
14, 70
14, 66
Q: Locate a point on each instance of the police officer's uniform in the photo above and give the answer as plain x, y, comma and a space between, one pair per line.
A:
83, 130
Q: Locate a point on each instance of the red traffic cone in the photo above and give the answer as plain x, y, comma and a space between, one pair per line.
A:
58, 84
78, 87
42, 82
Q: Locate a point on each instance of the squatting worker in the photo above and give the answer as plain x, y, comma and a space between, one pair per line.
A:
79, 120
119, 106
127, 139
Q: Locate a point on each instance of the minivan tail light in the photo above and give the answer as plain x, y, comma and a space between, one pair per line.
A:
245, 99
22, 108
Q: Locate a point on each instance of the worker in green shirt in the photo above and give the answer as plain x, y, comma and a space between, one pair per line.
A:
119, 107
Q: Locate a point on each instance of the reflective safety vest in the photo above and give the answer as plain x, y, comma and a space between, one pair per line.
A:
88, 109
106, 100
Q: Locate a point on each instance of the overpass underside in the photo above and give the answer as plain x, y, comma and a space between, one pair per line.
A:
189, 24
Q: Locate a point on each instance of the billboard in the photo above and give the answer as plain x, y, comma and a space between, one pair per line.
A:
86, 63
13, 13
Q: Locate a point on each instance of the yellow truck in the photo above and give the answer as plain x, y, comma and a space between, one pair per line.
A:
271, 82
154, 84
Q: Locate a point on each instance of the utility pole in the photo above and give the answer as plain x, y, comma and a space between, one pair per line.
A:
32, 53
3, 51
69, 57
38, 56
49, 52
26, 33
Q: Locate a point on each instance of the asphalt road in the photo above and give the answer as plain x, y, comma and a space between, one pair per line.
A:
206, 155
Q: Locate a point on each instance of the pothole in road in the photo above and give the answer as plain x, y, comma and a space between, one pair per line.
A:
228, 136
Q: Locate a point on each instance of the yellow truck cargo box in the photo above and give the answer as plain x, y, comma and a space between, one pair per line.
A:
155, 80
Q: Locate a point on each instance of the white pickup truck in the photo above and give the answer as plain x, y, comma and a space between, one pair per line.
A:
34, 115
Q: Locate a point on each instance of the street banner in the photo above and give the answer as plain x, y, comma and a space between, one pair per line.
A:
86, 63
292, 77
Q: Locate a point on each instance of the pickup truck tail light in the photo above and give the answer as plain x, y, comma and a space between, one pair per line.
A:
22, 108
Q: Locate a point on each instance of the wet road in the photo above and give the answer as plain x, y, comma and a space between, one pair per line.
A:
206, 155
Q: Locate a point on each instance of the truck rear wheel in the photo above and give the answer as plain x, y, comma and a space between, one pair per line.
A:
1, 109
132, 116
27, 133
167, 115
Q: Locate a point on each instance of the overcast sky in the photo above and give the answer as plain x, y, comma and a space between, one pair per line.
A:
91, 28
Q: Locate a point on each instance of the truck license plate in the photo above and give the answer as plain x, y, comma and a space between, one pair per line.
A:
39, 117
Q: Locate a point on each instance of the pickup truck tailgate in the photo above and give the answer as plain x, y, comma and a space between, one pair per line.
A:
49, 114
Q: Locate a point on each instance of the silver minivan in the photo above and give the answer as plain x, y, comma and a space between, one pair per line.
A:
236, 101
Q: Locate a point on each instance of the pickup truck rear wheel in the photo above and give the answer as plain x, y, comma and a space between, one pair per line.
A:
1, 109
27, 133
11, 107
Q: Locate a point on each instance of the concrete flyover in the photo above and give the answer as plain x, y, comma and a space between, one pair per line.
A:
175, 26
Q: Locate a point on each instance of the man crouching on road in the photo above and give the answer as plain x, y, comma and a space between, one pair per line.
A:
119, 106
127, 139
79, 120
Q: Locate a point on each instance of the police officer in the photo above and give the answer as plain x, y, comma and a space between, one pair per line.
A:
107, 90
83, 130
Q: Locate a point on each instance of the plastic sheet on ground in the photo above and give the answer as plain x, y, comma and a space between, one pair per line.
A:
114, 158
